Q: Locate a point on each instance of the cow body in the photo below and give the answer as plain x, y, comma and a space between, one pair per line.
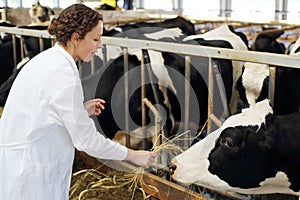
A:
165, 77
253, 86
8, 70
254, 152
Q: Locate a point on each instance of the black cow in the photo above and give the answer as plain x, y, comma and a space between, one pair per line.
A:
8, 71
186, 26
254, 152
266, 41
6, 54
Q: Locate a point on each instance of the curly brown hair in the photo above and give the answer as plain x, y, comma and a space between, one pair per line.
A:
76, 18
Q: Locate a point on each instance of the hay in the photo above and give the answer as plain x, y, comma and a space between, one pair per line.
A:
91, 184
1, 110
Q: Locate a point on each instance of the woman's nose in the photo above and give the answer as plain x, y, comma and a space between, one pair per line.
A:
99, 46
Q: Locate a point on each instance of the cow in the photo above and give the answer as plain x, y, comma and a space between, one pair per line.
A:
253, 86
165, 69
253, 152
266, 41
40, 15
8, 70
40, 19
185, 25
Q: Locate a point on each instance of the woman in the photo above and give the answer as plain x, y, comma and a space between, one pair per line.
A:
44, 117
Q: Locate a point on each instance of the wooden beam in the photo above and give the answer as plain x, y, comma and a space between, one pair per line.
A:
166, 189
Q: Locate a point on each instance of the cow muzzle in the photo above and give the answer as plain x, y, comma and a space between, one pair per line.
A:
172, 168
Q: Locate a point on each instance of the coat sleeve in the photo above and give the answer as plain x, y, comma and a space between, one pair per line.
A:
68, 106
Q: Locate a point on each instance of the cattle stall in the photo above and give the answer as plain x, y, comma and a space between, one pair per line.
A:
187, 50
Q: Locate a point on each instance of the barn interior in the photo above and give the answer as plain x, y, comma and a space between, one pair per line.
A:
280, 18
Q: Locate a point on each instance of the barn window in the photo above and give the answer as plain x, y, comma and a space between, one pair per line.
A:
12, 3
253, 10
161, 4
293, 14
201, 9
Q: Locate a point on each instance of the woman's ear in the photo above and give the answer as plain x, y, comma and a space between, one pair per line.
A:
75, 38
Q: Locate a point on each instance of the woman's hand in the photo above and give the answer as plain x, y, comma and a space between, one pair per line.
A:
141, 157
94, 106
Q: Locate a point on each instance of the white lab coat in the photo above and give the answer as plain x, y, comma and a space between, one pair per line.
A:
43, 120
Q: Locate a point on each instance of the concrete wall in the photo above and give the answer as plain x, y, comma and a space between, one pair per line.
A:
20, 16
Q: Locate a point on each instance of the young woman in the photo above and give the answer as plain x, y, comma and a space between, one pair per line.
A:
45, 119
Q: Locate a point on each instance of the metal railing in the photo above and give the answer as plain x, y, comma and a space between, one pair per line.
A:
188, 50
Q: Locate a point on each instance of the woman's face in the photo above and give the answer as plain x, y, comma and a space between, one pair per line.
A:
88, 46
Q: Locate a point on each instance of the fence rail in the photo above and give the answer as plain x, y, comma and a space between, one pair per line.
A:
186, 49
214, 52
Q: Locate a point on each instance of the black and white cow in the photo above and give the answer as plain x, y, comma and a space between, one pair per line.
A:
165, 69
40, 15
253, 85
185, 25
8, 70
253, 152
266, 41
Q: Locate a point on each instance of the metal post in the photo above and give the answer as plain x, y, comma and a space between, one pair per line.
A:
93, 65
187, 90
126, 98
228, 9
104, 53
284, 9
271, 88
14, 50
210, 94
22, 47
143, 96
41, 44
277, 10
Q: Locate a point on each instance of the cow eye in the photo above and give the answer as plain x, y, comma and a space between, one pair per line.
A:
227, 142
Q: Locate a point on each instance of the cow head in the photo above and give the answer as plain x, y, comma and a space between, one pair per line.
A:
40, 15
209, 162
241, 156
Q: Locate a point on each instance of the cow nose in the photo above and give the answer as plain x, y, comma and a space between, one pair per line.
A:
172, 168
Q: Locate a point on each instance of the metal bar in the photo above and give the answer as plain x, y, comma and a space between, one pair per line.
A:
187, 90
79, 63
126, 97
104, 53
222, 90
93, 65
52, 41
250, 56
271, 89
210, 94
195, 50
14, 49
22, 48
41, 43
26, 32
143, 96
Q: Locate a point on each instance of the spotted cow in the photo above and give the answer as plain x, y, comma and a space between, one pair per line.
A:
40, 15
253, 152
253, 85
164, 82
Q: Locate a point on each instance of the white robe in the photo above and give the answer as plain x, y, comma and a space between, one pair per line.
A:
43, 120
